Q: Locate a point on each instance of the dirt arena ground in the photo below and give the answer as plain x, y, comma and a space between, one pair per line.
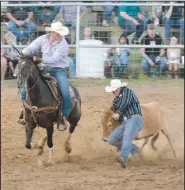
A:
92, 165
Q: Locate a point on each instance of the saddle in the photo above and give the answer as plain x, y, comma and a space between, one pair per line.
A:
52, 84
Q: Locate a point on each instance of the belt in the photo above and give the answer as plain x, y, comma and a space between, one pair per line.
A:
132, 116
58, 68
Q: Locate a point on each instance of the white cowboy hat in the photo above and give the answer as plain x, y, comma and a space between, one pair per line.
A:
115, 84
58, 28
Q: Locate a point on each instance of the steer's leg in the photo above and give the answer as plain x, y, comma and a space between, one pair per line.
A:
164, 131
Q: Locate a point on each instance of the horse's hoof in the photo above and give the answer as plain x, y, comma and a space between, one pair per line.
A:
40, 151
68, 149
51, 162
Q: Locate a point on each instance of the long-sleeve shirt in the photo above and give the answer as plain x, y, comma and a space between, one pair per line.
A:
54, 55
126, 103
69, 13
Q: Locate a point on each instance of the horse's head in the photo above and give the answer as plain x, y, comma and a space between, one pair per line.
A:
27, 67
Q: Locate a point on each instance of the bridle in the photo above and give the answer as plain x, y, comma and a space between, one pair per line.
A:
35, 109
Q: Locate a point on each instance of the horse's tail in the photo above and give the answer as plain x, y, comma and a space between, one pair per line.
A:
77, 94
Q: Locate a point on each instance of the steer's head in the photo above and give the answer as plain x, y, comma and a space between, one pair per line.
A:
108, 123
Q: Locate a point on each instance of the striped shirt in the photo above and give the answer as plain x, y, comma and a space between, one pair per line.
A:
126, 103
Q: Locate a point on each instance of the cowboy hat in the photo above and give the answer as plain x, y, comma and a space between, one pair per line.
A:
115, 84
58, 28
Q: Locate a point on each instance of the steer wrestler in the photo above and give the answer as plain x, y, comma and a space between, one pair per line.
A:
127, 110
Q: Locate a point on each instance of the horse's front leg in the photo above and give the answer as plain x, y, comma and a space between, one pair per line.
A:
29, 133
49, 129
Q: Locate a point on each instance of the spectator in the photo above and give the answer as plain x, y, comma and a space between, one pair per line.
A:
109, 62
72, 65
173, 55
153, 57
131, 19
46, 14
123, 54
87, 34
108, 12
20, 22
174, 18
156, 14
4, 66
9, 55
67, 15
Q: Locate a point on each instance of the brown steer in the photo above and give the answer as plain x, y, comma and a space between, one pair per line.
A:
154, 122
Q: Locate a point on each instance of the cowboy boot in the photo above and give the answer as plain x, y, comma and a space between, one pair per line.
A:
62, 124
21, 119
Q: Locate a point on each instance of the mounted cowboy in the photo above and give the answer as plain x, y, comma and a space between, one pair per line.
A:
54, 49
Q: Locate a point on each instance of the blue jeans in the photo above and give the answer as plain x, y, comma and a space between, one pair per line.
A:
168, 23
123, 58
123, 136
63, 85
72, 67
161, 65
28, 29
22, 92
108, 11
46, 19
130, 27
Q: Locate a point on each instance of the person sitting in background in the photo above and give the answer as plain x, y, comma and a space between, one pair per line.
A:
108, 10
4, 65
123, 54
46, 14
131, 20
87, 34
20, 22
156, 14
9, 55
153, 57
72, 66
174, 18
67, 15
173, 55
109, 61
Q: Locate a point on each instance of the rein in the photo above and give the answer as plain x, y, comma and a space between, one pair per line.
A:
35, 109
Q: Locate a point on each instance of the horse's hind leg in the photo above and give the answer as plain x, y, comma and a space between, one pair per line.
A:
40, 145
